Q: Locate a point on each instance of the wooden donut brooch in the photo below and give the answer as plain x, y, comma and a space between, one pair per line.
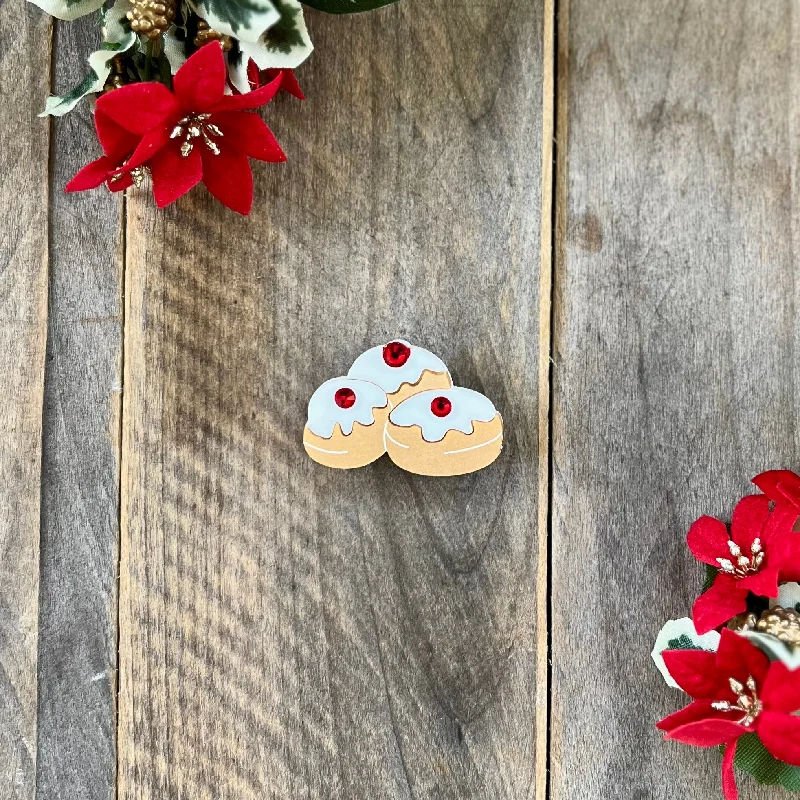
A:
399, 399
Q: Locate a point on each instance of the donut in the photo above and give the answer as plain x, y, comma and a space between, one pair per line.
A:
401, 369
346, 419
444, 432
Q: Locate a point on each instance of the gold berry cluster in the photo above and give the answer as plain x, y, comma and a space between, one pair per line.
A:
782, 623
206, 34
151, 18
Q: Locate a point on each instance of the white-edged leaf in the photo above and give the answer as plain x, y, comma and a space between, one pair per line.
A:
680, 634
244, 19
788, 596
174, 50
237, 72
68, 9
285, 45
115, 27
116, 40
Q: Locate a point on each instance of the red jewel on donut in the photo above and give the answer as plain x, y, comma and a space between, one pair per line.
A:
441, 407
344, 397
395, 354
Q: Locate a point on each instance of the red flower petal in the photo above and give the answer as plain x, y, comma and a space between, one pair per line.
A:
92, 175
708, 732
708, 540
780, 522
699, 709
721, 603
255, 99
200, 83
784, 555
738, 658
781, 486
288, 84
248, 133
781, 690
117, 143
228, 177
174, 175
138, 107
764, 583
120, 182
150, 144
695, 672
780, 734
729, 787
749, 516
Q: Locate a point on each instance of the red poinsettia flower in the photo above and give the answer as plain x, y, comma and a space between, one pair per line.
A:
735, 691
760, 551
782, 486
118, 146
196, 132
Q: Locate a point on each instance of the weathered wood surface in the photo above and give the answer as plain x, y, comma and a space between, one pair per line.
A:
24, 47
675, 350
292, 632
80, 482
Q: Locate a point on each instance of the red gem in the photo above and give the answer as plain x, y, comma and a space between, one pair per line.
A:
441, 407
344, 398
395, 354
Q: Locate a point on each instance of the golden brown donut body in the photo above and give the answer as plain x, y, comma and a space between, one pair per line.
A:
456, 454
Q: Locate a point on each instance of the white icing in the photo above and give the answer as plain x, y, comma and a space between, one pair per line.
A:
370, 366
323, 413
467, 407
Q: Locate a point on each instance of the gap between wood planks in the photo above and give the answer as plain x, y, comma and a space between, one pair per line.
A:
550, 152
123, 307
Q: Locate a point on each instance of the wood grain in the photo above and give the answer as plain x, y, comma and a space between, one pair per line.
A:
24, 59
293, 632
80, 483
675, 350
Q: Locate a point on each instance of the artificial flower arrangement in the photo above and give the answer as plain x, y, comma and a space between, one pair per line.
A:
177, 82
738, 657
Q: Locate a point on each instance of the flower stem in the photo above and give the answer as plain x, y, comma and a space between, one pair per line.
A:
148, 60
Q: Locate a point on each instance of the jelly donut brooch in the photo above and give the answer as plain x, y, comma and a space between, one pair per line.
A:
401, 369
346, 420
400, 399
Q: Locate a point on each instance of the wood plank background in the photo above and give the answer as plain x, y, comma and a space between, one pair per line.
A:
25, 38
80, 451
675, 343
285, 631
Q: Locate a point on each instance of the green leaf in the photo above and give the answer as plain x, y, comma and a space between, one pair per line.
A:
753, 757
244, 19
346, 6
